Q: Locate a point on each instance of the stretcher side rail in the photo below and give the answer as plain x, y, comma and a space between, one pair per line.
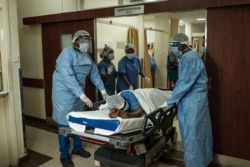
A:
161, 124
161, 119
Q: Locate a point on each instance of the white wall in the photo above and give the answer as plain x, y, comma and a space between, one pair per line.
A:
10, 105
31, 48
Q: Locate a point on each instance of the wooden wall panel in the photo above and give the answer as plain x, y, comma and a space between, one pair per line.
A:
228, 60
34, 83
157, 7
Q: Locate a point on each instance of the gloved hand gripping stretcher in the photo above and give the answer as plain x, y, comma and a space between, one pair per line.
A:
144, 136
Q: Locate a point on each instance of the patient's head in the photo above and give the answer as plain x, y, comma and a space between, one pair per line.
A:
116, 101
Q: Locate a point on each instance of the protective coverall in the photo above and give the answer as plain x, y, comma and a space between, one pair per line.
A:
69, 79
190, 92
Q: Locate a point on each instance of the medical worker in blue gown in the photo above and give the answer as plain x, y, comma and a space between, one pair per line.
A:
129, 67
73, 66
107, 70
190, 93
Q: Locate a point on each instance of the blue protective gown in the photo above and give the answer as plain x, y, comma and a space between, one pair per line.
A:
130, 68
69, 79
109, 83
193, 112
131, 99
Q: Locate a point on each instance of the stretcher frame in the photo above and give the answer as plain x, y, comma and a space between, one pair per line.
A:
161, 121
156, 136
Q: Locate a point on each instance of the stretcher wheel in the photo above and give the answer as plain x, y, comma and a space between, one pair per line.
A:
174, 136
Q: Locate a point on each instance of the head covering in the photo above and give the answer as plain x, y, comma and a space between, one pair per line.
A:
178, 39
129, 46
79, 34
105, 50
116, 101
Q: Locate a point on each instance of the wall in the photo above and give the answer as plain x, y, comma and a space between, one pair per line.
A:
10, 105
31, 59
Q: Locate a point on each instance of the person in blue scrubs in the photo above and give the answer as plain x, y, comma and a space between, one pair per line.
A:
152, 63
152, 68
172, 69
73, 66
107, 71
190, 93
129, 67
124, 105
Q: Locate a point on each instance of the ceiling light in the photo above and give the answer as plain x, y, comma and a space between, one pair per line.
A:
201, 19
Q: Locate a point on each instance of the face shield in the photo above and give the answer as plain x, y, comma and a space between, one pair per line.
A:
84, 40
179, 39
176, 41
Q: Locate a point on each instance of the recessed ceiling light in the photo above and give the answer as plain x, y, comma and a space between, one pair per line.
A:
201, 19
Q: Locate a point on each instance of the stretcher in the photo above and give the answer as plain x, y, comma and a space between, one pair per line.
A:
134, 148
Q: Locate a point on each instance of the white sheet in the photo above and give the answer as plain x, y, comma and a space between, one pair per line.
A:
149, 99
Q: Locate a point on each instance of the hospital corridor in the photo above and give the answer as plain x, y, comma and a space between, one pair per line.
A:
124, 83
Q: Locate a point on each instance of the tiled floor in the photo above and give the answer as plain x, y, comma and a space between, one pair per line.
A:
45, 142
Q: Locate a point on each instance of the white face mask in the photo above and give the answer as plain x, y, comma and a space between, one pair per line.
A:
84, 47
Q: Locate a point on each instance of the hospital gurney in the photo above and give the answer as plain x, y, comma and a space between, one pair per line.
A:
137, 148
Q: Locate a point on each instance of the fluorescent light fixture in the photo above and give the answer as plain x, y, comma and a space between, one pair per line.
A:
201, 19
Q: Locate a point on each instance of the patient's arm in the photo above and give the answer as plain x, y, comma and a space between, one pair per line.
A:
123, 114
137, 113
114, 113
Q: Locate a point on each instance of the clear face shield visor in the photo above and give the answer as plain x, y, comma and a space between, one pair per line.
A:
87, 40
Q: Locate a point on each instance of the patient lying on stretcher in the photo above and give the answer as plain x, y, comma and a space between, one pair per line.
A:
111, 117
127, 105
124, 105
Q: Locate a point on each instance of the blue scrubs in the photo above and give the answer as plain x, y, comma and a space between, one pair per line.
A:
130, 68
71, 70
193, 112
109, 83
131, 100
172, 70
152, 68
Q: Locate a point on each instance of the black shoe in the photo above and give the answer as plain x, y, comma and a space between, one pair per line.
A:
82, 153
67, 162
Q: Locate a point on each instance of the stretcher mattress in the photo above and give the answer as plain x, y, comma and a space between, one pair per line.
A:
101, 122
149, 99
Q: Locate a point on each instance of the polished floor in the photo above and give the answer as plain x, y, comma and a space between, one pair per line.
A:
43, 150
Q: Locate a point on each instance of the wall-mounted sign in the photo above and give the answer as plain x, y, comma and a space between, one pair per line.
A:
130, 10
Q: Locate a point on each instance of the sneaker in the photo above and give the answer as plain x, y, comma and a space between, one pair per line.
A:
82, 153
67, 162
